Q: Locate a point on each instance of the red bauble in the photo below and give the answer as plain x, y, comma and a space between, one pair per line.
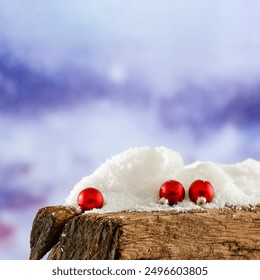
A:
173, 191
201, 192
90, 198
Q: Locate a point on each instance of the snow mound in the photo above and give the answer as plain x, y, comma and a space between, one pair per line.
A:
131, 181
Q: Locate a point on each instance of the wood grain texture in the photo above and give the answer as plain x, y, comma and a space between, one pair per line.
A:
47, 227
88, 237
207, 234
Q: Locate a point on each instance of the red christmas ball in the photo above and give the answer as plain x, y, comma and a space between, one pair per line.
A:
173, 191
201, 192
90, 198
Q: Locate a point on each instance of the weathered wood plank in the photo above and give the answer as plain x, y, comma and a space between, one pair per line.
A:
207, 234
47, 227
88, 237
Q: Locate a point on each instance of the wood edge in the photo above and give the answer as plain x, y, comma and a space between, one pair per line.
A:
46, 228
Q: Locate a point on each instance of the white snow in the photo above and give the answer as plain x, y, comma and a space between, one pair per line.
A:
131, 181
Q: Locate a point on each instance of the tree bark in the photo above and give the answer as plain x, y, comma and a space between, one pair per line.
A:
205, 234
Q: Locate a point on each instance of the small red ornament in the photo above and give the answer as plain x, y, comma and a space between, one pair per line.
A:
90, 198
173, 191
201, 192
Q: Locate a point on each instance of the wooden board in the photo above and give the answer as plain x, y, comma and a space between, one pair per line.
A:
205, 234
47, 227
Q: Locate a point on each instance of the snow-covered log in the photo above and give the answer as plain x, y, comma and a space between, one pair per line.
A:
227, 233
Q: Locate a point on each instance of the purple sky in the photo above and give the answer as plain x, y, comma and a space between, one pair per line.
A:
81, 82
197, 58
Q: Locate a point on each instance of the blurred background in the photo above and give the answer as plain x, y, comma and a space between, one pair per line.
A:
83, 80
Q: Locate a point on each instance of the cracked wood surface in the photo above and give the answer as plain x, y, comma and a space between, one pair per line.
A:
205, 234
47, 227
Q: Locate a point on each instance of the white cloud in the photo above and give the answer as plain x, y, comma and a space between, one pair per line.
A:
167, 43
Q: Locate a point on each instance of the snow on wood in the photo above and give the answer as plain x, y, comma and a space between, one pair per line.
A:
196, 234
